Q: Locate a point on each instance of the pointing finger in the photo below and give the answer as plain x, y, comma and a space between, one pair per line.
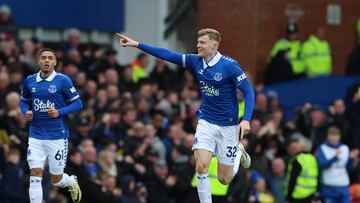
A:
120, 35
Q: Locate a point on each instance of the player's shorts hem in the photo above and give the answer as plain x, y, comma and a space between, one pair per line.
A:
203, 148
36, 164
56, 172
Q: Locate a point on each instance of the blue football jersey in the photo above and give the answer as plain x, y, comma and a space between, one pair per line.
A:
218, 81
56, 91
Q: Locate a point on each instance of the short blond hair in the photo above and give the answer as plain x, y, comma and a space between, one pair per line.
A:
212, 33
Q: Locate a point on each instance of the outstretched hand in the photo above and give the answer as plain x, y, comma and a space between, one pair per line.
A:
126, 41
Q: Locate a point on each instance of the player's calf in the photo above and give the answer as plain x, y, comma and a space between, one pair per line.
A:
225, 180
225, 173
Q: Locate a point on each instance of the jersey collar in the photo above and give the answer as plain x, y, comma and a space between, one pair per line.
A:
50, 78
212, 61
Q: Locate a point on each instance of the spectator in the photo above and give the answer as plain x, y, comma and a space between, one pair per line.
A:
335, 159
105, 190
28, 57
109, 62
126, 84
163, 75
353, 114
316, 53
4, 87
338, 118
277, 179
90, 162
127, 185
109, 129
141, 192
16, 123
261, 109
169, 104
7, 22
292, 46
154, 141
139, 66
106, 160
73, 39
353, 64
11, 185
316, 123
279, 69
160, 184
180, 170
302, 172
80, 82
16, 76
258, 192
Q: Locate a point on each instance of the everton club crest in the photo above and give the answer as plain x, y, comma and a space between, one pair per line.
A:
218, 76
52, 89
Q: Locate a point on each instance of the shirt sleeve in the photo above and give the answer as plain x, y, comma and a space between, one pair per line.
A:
72, 107
25, 97
240, 80
162, 53
69, 91
190, 61
25, 93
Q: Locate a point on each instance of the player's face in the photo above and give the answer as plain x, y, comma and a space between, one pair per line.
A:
206, 47
47, 61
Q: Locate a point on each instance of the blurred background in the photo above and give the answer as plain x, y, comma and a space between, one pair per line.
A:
132, 141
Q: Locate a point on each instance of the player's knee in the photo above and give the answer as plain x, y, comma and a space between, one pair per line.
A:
55, 179
201, 167
225, 180
36, 172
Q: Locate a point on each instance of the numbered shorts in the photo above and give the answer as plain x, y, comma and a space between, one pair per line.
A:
222, 141
54, 151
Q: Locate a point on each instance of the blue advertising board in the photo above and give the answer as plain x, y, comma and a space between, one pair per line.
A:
103, 15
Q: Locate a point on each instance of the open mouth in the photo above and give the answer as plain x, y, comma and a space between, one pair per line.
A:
47, 65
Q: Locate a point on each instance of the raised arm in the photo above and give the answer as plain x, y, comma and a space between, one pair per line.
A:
162, 53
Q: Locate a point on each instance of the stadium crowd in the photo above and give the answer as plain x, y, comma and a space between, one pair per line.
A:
132, 141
